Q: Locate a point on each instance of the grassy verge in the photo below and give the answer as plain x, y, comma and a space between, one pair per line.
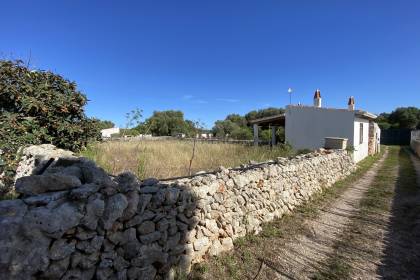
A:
359, 245
244, 261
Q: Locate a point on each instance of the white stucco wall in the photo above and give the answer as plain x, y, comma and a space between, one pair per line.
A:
106, 133
307, 127
360, 150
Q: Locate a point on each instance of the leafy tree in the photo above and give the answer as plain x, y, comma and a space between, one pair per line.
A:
280, 134
237, 127
40, 107
383, 121
262, 113
237, 119
265, 134
403, 118
167, 123
242, 133
104, 124
224, 128
133, 118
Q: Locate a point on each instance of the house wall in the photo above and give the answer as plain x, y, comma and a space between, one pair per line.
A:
106, 133
360, 150
307, 127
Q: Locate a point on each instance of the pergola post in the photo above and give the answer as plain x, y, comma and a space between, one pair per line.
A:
255, 134
273, 135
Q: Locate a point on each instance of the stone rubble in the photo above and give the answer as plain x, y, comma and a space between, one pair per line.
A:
76, 222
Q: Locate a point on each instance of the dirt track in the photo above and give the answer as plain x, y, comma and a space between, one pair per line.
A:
304, 254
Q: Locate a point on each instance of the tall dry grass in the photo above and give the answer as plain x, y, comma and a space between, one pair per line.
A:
171, 158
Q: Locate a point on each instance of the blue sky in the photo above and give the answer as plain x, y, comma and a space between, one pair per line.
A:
212, 58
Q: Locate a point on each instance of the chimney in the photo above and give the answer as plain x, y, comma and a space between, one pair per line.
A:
351, 103
317, 99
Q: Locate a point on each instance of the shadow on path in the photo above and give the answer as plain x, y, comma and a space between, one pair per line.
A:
401, 257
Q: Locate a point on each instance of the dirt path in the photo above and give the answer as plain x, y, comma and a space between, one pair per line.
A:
401, 257
383, 240
301, 257
416, 163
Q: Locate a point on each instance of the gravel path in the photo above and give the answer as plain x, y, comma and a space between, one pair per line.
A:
301, 257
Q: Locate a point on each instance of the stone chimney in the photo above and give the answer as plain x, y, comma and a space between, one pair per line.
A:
317, 99
351, 103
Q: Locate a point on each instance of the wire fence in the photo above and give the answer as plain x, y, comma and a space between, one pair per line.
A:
205, 140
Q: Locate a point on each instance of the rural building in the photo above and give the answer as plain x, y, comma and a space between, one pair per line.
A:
307, 127
204, 135
106, 133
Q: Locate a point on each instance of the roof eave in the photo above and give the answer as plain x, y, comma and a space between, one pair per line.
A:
366, 115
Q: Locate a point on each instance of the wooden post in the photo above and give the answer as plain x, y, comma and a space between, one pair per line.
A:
273, 136
255, 134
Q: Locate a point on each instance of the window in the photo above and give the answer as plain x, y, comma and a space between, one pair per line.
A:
361, 134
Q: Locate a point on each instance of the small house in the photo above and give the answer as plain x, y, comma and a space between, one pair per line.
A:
313, 127
108, 132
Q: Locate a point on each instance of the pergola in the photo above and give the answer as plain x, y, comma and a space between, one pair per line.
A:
268, 122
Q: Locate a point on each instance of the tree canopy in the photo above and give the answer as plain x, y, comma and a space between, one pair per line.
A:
40, 107
104, 124
403, 118
167, 123
236, 126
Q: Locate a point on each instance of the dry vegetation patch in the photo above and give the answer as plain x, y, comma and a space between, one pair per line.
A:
171, 158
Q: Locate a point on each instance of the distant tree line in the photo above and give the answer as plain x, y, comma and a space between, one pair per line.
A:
164, 123
235, 126
173, 123
101, 124
400, 118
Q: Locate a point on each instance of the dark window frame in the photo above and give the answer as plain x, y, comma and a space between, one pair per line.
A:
361, 134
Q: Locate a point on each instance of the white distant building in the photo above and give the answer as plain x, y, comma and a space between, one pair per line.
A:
307, 127
204, 135
106, 133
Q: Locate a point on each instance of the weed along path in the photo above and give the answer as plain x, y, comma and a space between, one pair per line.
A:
383, 240
297, 246
300, 258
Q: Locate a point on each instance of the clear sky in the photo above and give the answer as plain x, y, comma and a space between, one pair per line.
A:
212, 58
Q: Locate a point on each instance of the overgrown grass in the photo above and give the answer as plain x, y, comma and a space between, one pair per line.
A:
244, 261
170, 158
355, 244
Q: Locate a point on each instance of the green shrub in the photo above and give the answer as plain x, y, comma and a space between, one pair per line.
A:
39, 107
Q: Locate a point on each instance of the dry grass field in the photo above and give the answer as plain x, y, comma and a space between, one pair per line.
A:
171, 158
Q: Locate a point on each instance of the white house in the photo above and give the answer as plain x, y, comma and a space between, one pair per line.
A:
106, 133
308, 126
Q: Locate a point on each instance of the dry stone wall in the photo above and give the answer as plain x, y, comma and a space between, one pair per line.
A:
415, 141
415, 146
76, 222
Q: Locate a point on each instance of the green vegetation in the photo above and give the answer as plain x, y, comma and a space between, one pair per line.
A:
39, 107
237, 127
245, 261
104, 124
408, 118
167, 123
